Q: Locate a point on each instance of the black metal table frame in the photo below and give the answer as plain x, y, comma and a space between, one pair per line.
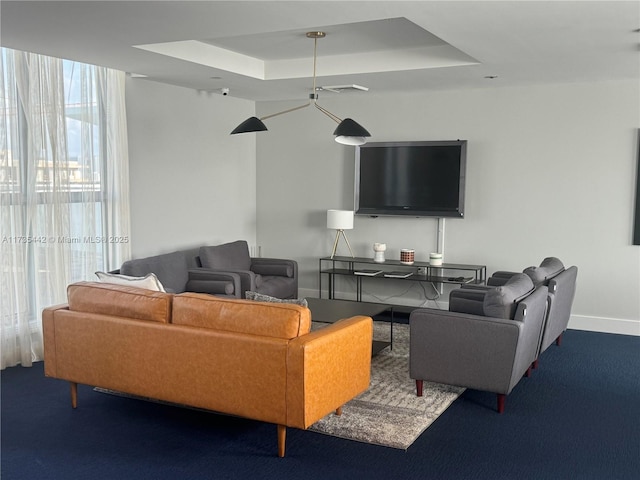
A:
480, 273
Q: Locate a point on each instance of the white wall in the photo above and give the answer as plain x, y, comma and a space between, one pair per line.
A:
191, 182
550, 172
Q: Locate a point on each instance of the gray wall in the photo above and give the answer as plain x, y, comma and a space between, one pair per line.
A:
191, 182
550, 172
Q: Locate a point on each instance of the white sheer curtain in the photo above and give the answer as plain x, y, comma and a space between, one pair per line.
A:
64, 192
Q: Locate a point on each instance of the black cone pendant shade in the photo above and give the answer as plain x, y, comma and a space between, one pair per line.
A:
348, 132
252, 124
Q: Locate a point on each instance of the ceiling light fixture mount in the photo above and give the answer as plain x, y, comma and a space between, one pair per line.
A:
316, 34
348, 132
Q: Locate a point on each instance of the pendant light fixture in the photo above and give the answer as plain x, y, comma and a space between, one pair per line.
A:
348, 132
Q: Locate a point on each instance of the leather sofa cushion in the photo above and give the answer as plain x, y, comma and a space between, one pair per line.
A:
120, 301
277, 320
549, 268
501, 302
234, 255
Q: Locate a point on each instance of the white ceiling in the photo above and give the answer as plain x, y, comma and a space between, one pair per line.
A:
259, 49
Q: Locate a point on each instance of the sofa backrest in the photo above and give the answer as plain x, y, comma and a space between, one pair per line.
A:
170, 268
549, 268
120, 301
501, 302
278, 320
233, 255
562, 290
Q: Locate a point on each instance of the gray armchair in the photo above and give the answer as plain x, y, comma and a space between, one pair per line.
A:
269, 276
486, 341
562, 289
180, 272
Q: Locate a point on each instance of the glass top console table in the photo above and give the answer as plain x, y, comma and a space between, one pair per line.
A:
361, 268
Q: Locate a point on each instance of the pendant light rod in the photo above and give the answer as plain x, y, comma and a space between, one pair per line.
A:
315, 57
316, 36
286, 111
313, 96
348, 132
328, 113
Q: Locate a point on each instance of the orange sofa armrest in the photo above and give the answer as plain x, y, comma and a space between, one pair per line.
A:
49, 338
326, 368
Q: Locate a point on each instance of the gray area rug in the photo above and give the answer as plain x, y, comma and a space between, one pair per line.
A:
389, 413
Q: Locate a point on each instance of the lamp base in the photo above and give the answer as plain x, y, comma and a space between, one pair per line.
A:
335, 243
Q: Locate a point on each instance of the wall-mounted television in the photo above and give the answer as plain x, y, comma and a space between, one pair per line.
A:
420, 179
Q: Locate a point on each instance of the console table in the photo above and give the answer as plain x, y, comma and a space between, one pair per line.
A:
362, 268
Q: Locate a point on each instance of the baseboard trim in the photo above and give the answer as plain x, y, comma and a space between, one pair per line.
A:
605, 325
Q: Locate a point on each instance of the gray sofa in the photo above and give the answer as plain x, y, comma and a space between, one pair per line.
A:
180, 271
487, 340
223, 270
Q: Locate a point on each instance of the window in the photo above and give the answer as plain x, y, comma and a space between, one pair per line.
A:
63, 187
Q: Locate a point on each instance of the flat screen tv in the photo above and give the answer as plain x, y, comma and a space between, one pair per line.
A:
420, 179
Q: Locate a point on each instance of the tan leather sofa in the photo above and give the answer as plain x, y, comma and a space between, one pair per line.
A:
251, 359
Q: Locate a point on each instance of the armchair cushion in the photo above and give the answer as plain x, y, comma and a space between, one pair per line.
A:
549, 268
501, 302
202, 280
259, 297
272, 270
228, 256
213, 287
467, 300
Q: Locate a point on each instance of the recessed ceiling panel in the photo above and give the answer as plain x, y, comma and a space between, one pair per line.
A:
351, 38
388, 45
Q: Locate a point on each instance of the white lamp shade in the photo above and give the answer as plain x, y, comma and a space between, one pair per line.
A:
340, 219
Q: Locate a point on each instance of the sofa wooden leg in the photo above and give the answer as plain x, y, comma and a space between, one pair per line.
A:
528, 372
535, 364
559, 340
74, 394
419, 387
282, 437
339, 411
501, 399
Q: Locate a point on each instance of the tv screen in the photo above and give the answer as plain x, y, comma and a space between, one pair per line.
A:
421, 179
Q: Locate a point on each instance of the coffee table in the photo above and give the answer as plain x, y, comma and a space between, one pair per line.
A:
330, 311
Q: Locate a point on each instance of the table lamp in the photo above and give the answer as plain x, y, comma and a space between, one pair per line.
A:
340, 220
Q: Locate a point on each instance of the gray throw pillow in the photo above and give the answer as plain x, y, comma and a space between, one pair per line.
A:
548, 269
229, 256
259, 297
501, 302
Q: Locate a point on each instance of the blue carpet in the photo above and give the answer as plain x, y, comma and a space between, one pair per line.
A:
576, 417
